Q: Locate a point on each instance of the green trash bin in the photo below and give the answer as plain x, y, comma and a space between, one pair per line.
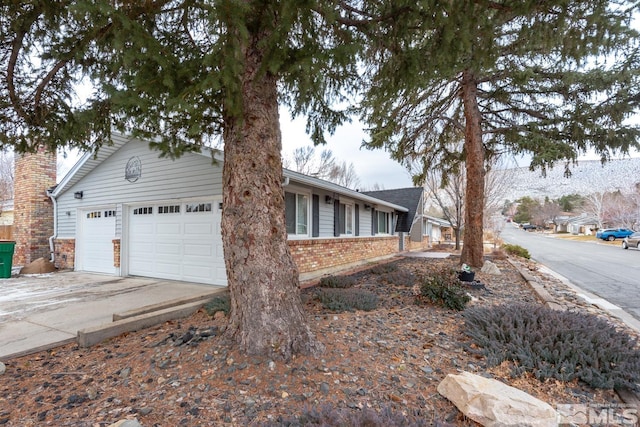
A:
6, 258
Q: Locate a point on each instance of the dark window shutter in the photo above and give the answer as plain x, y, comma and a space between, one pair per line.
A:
374, 222
315, 216
343, 219
336, 217
357, 223
290, 212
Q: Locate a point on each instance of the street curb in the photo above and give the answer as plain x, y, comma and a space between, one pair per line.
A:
539, 290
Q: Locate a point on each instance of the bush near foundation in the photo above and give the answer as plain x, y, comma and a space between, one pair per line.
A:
337, 282
350, 299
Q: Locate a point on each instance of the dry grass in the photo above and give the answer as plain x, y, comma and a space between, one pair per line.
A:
587, 238
578, 237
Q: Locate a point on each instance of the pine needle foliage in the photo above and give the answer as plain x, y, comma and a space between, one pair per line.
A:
563, 345
170, 72
554, 79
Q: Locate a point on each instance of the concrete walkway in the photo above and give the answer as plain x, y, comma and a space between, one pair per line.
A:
43, 311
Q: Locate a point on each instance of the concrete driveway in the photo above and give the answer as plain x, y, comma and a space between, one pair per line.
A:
38, 312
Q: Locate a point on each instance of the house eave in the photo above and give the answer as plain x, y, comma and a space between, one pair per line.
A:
335, 188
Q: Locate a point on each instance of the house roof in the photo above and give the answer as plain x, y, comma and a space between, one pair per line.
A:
91, 160
438, 221
583, 219
333, 187
409, 197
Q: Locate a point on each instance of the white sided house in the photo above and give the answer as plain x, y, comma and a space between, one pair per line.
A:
126, 211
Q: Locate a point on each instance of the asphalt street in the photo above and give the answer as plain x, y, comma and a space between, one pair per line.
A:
605, 270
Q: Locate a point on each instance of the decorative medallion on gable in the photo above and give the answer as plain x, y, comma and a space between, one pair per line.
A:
133, 170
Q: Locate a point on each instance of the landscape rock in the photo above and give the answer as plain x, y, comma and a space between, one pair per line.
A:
3, 368
126, 423
493, 403
490, 268
38, 266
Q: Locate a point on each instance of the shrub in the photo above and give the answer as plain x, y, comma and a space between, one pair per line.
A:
400, 278
337, 282
556, 344
516, 250
328, 416
499, 254
347, 299
383, 268
218, 303
443, 288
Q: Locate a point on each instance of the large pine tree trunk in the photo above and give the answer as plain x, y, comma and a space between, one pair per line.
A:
472, 248
266, 309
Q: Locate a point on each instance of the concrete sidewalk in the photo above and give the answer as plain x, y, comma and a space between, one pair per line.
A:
43, 311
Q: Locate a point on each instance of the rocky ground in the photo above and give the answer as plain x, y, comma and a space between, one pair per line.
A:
181, 373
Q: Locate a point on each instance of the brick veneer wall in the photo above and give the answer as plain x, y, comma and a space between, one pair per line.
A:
410, 245
317, 254
65, 251
116, 252
309, 255
33, 209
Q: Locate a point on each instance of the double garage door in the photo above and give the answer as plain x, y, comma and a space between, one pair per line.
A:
177, 241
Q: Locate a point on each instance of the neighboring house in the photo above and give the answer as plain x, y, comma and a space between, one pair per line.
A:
408, 222
6, 212
437, 230
126, 211
582, 224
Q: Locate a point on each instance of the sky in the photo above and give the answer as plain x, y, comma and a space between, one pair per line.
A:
372, 166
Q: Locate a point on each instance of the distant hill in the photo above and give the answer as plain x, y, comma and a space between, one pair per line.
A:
586, 177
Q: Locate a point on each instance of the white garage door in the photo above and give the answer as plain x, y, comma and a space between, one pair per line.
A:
95, 245
178, 241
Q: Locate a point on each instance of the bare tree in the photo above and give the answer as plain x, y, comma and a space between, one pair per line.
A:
345, 175
6, 177
620, 209
594, 206
375, 187
547, 212
449, 197
497, 182
615, 209
305, 160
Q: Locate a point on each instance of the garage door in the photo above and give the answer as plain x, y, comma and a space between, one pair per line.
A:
95, 245
178, 241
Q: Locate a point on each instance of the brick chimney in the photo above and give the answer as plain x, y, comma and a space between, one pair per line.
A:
33, 209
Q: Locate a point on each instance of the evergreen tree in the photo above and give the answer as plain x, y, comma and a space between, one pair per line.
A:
550, 78
184, 74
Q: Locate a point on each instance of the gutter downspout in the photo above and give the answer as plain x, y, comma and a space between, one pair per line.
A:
55, 225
